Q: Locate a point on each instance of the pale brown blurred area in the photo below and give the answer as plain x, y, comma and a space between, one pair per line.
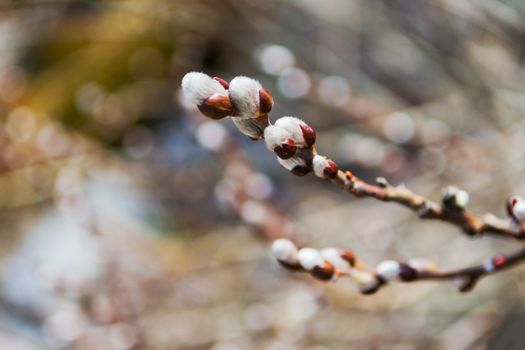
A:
116, 227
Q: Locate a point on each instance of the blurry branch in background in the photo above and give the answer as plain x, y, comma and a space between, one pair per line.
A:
292, 140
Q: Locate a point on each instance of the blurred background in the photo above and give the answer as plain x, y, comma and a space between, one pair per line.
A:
129, 221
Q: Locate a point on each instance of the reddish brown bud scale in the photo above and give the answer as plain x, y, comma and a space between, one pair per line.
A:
301, 170
308, 134
291, 267
331, 170
511, 202
265, 101
286, 150
223, 82
467, 283
407, 273
216, 107
372, 288
499, 260
323, 272
348, 256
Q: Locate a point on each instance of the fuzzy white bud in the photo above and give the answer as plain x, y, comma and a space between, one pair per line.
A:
302, 134
324, 167
310, 258
519, 210
462, 198
253, 127
285, 250
455, 196
333, 256
199, 86
389, 269
279, 141
363, 278
244, 93
296, 165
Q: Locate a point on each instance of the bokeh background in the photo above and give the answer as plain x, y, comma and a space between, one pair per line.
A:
131, 222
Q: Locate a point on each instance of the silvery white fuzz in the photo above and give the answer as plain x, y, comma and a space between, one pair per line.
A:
285, 250
199, 86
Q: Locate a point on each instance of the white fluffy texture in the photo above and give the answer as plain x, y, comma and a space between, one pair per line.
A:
519, 210
293, 126
291, 163
333, 256
285, 250
248, 127
362, 278
244, 93
199, 86
309, 258
319, 164
462, 198
274, 136
388, 269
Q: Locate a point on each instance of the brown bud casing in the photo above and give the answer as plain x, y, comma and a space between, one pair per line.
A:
265, 101
286, 150
301, 170
223, 82
407, 273
323, 272
372, 287
466, 283
291, 267
348, 256
308, 134
331, 170
216, 107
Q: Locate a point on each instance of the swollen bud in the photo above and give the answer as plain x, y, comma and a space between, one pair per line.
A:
312, 261
253, 128
389, 270
199, 86
265, 101
301, 133
323, 167
285, 252
333, 256
296, 165
208, 94
516, 208
245, 94
216, 107
455, 198
278, 140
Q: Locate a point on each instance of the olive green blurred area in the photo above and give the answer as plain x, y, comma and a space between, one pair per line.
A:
122, 226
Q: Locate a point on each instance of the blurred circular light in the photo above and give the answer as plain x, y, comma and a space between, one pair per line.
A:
20, 124
138, 142
273, 59
89, 97
399, 127
211, 135
369, 152
435, 131
253, 212
334, 91
122, 336
432, 161
258, 186
294, 83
